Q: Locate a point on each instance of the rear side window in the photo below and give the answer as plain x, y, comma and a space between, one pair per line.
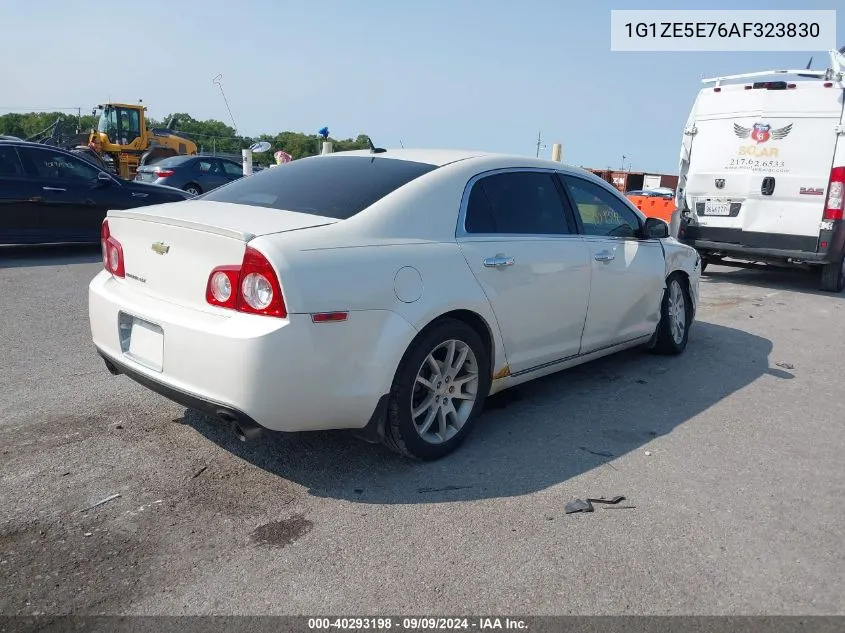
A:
10, 164
329, 186
521, 202
174, 161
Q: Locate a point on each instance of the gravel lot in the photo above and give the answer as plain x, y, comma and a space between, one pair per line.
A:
732, 455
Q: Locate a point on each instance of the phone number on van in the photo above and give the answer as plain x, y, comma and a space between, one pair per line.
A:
750, 162
777, 166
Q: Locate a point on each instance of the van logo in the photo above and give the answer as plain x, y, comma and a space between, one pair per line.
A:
811, 191
720, 183
762, 132
161, 248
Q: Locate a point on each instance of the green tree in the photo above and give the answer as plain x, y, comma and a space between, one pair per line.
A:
211, 136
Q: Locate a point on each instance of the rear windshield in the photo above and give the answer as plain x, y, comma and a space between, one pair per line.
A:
329, 186
173, 161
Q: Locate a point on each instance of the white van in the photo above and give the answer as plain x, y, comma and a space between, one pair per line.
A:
762, 171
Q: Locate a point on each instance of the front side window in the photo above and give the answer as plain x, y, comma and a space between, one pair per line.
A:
50, 165
516, 202
601, 213
328, 186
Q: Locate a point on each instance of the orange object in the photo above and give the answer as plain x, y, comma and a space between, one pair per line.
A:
654, 207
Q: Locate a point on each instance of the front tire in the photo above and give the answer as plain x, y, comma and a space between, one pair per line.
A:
675, 317
833, 276
438, 391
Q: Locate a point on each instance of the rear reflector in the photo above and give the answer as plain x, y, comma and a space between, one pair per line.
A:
833, 208
329, 317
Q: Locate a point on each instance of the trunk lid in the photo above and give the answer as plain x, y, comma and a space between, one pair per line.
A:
146, 173
170, 250
760, 159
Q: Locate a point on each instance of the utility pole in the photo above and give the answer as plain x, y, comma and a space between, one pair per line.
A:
539, 143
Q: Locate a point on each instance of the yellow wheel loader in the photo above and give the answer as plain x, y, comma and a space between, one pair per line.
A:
126, 142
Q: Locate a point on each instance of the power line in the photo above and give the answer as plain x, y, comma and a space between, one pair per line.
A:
38, 109
218, 81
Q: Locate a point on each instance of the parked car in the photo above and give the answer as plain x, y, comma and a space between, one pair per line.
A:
48, 195
194, 174
668, 194
389, 293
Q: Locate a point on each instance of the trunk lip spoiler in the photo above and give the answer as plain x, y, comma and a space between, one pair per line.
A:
244, 236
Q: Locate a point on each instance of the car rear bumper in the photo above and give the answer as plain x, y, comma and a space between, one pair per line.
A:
740, 244
281, 374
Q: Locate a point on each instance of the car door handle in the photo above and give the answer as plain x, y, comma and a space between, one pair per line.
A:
499, 261
605, 256
53, 189
136, 194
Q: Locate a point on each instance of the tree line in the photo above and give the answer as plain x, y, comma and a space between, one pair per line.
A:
210, 136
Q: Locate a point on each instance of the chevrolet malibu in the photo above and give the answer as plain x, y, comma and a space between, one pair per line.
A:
387, 292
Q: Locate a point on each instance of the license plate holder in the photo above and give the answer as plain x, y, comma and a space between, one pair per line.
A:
141, 341
717, 207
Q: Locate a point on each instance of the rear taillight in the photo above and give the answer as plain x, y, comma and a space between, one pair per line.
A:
252, 287
112, 252
835, 205
163, 173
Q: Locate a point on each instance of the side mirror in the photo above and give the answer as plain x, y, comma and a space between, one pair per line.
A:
655, 228
104, 179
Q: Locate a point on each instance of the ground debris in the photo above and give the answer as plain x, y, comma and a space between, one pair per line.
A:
582, 505
786, 365
102, 501
599, 453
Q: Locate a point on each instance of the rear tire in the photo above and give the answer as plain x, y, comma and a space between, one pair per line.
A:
675, 317
833, 276
192, 189
446, 396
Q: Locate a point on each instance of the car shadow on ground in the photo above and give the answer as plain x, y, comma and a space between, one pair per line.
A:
528, 438
768, 278
51, 255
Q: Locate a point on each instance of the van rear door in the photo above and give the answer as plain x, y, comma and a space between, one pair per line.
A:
760, 160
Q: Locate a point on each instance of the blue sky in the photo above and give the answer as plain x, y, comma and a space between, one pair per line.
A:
479, 74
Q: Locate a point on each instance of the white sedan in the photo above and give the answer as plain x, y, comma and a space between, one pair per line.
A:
388, 292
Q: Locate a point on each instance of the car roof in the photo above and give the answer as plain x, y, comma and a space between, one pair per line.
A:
10, 141
443, 157
437, 157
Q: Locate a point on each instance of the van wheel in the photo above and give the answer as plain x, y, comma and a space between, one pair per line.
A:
438, 391
675, 317
833, 276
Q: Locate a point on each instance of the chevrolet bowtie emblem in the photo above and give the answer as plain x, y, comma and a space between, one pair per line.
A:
161, 248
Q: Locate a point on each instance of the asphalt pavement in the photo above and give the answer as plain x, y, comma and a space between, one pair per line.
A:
731, 456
